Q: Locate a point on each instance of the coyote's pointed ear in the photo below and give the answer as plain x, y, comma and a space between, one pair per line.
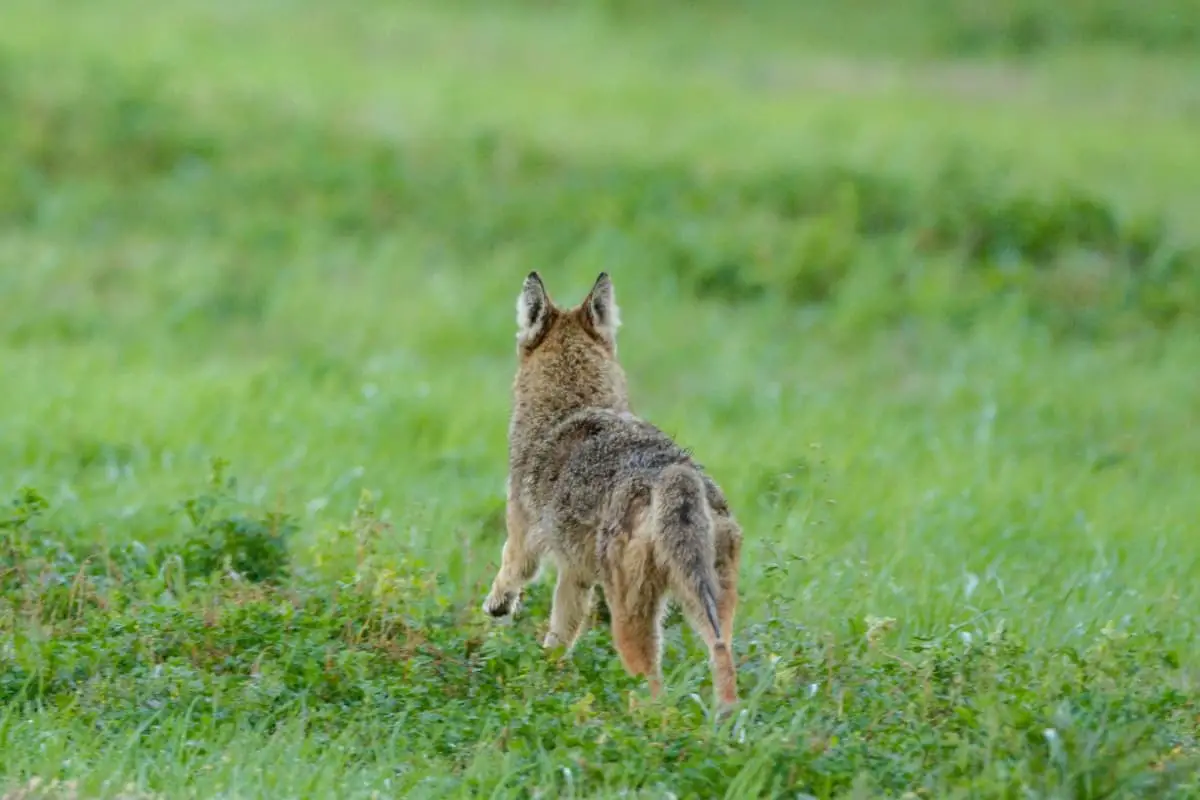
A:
601, 309
533, 310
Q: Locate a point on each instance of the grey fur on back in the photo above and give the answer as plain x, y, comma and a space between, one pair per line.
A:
592, 472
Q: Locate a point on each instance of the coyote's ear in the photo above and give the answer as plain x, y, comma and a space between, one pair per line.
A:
533, 309
601, 309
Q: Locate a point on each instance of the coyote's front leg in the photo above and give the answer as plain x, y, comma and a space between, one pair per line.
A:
518, 563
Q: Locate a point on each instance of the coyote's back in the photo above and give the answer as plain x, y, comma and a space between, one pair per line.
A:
610, 498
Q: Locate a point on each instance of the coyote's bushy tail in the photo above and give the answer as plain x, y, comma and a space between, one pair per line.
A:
685, 544
684, 540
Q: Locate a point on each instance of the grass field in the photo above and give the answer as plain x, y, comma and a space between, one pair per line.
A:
919, 283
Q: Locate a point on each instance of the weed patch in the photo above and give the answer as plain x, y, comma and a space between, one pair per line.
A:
383, 645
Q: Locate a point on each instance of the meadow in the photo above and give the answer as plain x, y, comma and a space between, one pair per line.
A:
918, 282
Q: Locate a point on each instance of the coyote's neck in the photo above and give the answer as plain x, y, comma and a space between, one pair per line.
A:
547, 390
535, 414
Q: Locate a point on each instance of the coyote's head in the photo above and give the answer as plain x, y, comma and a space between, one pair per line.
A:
568, 357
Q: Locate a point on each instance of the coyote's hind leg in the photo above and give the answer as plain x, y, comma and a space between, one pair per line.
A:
728, 536
636, 592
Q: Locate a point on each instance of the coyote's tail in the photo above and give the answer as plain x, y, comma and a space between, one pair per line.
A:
683, 543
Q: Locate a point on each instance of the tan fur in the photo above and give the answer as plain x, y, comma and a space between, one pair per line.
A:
608, 497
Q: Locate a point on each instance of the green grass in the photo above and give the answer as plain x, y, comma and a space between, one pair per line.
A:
919, 286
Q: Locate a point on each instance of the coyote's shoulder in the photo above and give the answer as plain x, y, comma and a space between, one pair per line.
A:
608, 496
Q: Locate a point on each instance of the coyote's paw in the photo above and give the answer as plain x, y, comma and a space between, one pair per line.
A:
555, 647
501, 604
726, 708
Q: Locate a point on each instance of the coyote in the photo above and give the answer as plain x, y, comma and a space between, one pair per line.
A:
608, 497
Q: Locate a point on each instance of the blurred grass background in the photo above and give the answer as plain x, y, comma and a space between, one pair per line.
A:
918, 281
